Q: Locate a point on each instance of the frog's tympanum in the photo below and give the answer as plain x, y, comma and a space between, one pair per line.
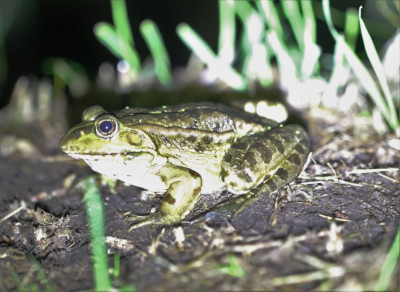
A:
187, 150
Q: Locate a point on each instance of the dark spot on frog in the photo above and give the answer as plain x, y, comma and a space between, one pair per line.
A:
244, 175
199, 147
278, 144
168, 198
207, 139
228, 158
197, 190
282, 174
234, 184
300, 149
294, 158
250, 158
240, 146
193, 125
263, 150
191, 138
224, 173
75, 135
164, 139
216, 127
272, 184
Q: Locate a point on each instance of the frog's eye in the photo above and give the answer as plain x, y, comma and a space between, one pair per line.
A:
106, 128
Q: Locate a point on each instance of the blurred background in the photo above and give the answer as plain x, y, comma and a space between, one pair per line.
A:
32, 31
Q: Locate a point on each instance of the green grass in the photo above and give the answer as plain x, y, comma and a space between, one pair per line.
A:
221, 69
389, 265
378, 91
120, 41
24, 285
233, 268
66, 73
156, 45
95, 214
285, 33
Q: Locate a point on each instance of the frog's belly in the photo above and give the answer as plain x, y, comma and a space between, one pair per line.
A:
208, 169
141, 171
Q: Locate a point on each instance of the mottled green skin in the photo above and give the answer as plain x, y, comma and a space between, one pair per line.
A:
185, 150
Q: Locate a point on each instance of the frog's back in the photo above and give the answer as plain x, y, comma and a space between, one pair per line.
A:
204, 116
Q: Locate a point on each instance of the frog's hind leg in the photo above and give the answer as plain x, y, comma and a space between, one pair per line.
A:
238, 203
263, 163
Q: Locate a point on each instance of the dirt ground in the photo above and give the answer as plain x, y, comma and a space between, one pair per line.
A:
330, 229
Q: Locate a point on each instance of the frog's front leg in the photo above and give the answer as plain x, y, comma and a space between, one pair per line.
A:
264, 162
184, 186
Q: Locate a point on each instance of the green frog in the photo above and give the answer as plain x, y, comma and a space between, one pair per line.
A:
183, 151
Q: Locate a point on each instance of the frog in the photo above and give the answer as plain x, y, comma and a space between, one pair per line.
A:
184, 151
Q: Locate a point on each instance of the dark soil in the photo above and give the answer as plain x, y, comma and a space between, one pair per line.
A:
330, 229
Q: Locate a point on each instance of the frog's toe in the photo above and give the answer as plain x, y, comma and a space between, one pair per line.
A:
138, 218
229, 209
210, 216
144, 220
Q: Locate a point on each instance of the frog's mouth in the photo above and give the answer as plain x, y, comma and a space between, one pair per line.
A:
121, 160
105, 156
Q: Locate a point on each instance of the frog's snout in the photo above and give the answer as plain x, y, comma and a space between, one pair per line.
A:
68, 143
64, 144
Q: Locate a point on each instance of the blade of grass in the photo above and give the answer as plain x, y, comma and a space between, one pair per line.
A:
233, 268
272, 20
389, 265
309, 19
121, 20
351, 28
154, 41
67, 72
328, 18
287, 68
41, 273
106, 34
339, 76
227, 30
205, 54
117, 265
365, 79
291, 10
360, 71
256, 60
309, 62
378, 69
244, 10
271, 16
95, 213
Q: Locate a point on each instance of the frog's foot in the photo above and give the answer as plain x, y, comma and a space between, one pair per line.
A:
235, 206
144, 220
230, 208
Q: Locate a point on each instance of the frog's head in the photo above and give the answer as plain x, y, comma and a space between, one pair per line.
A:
101, 133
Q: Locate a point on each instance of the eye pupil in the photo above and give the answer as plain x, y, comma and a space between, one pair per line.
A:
106, 127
